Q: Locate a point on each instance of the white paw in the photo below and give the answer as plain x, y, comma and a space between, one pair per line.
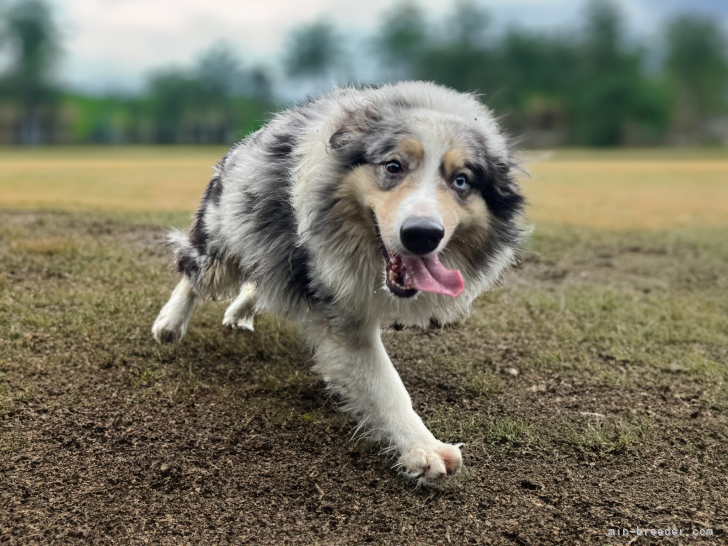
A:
238, 323
167, 331
431, 464
172, 321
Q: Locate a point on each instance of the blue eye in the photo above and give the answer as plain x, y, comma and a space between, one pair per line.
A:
460, 183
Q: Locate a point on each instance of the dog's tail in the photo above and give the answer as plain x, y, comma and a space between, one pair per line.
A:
210, 276
189, 258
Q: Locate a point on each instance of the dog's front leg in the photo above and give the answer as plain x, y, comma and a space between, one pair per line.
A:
357, 367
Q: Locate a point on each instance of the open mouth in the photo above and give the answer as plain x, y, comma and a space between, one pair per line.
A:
406, 275
395, 273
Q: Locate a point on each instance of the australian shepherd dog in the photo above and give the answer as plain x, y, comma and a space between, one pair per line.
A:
350, 212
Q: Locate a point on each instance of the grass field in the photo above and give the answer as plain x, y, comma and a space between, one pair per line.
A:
607, 189
590, 390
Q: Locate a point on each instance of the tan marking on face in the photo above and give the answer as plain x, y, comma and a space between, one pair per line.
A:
361, 186
472, 232
454, 160
473, 212
352, 207
449, 208
469, 221
412, 149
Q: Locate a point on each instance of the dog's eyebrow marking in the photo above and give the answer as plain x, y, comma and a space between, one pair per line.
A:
412, 148
381, 142
453, 160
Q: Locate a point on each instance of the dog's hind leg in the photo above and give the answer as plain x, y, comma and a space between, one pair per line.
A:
174, 318
240, 313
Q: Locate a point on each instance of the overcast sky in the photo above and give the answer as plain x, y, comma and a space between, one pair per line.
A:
113, 44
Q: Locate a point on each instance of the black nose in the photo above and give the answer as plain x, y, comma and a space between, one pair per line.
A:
421, 235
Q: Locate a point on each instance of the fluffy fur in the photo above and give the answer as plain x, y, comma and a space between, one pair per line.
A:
305, 219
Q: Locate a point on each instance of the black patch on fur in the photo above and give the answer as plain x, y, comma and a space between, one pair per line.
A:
273, 221
187, 264
213, 190
281, 148
198, 234
382, 141
435, 323
322, 220
348, 152
499, 190
493, 178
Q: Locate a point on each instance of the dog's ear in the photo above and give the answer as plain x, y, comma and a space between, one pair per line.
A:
496, 181
502, 193
342, 138
348, 143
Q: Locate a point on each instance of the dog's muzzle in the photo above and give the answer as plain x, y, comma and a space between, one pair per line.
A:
419, 269
421, 235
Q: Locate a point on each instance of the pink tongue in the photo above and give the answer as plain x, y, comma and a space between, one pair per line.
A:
429, 275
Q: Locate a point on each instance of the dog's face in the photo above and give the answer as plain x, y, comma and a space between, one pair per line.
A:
431, 187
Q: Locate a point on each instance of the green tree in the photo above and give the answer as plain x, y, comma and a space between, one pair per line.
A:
220, 71
173, 96
222, 75
696, 65
461, 58
402, 42
613, 91
213, 102
538, 74
314, 53
33, 40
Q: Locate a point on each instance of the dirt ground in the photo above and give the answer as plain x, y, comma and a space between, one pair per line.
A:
590, 392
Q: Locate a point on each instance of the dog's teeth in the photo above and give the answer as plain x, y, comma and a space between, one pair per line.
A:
392, 277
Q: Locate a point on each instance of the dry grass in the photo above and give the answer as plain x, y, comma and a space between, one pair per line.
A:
622, 190
120, 178
605, 189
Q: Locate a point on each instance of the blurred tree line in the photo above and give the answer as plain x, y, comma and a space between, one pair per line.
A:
589, 86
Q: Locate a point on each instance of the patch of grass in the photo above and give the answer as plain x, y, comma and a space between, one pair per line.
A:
486, 385
10, 398
603, 436
695, 365
7, 403
46, 246
622, 190
28, 394
142, 379
624, 307
509, 431
481, 429
309, 417
10, 443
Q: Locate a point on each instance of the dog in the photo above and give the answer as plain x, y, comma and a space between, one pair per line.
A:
349, 212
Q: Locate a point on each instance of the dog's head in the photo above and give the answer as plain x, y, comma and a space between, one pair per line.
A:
434, 187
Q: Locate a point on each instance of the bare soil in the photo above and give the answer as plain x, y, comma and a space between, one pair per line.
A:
590, 393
